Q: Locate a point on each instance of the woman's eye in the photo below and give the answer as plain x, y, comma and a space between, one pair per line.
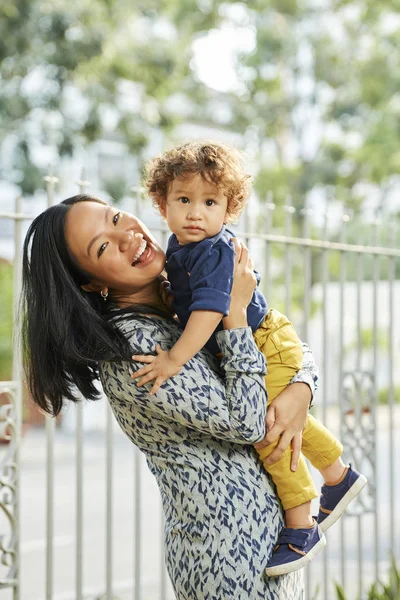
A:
116, 218
210, 202
101, 249
184, 200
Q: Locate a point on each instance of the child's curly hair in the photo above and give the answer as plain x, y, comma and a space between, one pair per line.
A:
218, 164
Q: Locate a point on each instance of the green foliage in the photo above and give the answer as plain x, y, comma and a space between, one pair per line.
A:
316, 593
27, 174
116, 188
383, 395
367, 340
64, 65
6, 321
340, 592
352, 67
379, 590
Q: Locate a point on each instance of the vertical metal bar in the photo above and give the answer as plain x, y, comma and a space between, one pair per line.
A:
247, 221
109, 504
17, 376
50, 424
164, 239
345, 219
163, 573
289, 210
133, 201
324, 266
392, 473
357, 415
82, 185
306, 312
269, 207
50, 181
137, 190
375, 279
137, 534
249, 229
50, 427
307, 272
79, 502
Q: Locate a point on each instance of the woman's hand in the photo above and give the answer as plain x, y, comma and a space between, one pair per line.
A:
286, 417
244, 284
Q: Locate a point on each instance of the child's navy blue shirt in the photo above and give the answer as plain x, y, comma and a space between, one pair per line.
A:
201, 277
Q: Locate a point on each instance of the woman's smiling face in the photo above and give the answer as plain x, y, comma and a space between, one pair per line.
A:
114, 247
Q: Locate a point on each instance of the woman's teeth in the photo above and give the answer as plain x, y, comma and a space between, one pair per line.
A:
140, 250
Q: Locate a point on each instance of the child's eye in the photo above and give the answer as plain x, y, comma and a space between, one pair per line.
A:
184, 200
101, 249
116, 218
210, 202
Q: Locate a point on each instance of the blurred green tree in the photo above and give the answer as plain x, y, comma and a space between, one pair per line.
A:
318, 104
317, 98
319, 93
71, 72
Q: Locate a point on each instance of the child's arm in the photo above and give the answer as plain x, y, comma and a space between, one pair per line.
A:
199, 328
211, 275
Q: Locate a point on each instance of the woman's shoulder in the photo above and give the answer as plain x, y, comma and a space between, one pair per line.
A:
144, 331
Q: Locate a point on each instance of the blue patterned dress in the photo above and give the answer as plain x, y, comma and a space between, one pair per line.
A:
222, 516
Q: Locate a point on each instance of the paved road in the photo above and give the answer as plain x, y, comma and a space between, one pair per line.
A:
33, 522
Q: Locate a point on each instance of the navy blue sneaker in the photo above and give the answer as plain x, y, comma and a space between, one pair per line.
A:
294, 549
335, 498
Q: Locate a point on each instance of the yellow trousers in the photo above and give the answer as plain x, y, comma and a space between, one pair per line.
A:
276, 338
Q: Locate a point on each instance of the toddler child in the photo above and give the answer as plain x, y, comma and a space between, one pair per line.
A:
199, 188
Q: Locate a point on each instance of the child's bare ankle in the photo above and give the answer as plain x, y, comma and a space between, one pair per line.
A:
334, 472
299, 517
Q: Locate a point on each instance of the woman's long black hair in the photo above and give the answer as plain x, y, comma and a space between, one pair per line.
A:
66, 331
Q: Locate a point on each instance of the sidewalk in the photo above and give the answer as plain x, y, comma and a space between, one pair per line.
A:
33, 519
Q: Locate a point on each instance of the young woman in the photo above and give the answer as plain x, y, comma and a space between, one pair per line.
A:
93, 297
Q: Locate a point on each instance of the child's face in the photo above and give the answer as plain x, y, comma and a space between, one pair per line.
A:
195, 209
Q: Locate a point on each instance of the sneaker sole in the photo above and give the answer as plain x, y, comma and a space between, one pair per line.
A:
339, 509
297, 564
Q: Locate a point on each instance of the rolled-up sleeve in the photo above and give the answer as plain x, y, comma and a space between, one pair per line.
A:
309, 371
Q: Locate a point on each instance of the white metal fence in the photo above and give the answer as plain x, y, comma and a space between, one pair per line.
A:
335, 293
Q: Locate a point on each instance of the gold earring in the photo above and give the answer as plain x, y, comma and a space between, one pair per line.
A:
104, 296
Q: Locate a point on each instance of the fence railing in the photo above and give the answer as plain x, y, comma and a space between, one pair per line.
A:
9, 487
321, 285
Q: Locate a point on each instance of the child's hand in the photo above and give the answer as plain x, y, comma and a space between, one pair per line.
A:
159, 367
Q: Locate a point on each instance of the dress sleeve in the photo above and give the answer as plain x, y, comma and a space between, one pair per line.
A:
229, 406
309, 372
211, 278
